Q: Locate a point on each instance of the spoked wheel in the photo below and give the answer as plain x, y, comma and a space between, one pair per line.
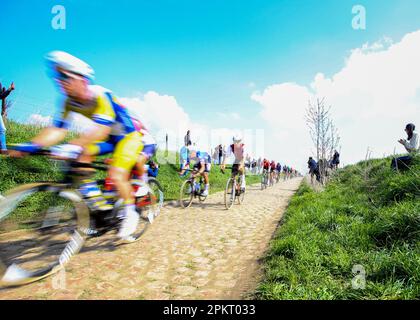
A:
230, 193
186, 194
263, 182
157, 191
156, 195
41, 227
144, 222
116, 219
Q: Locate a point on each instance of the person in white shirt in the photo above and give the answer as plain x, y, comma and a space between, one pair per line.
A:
411, 144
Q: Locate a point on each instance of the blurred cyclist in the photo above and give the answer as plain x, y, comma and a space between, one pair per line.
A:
113, 129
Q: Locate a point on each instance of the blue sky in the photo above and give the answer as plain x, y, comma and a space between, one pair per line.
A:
204, 53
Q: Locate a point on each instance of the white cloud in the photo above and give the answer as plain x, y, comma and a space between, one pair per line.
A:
163, 114
373, 96
232, 116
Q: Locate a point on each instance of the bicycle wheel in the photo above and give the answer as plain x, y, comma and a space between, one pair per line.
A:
41, 227
263, 186
186, 194
230, 193
156, 195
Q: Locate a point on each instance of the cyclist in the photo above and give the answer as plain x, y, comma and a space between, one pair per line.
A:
272, 170
202, 166
278, 169
237, 150
113, 129
284, 172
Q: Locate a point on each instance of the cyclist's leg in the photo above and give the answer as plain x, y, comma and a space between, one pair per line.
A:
88, 187
123, 160
241, 171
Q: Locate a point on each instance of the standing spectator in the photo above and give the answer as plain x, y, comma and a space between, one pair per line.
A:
259, 165
313, 169
215, 155
335, 160
411, 145
220, 153
3, 95
187, 139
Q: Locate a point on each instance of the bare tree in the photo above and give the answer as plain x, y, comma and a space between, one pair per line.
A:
335, 139
323, 133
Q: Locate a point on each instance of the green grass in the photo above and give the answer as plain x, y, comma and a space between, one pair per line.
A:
368, 215
14, 172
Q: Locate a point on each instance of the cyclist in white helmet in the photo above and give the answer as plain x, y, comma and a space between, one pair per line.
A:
114, 129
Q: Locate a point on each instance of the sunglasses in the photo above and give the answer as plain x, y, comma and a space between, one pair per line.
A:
64, 76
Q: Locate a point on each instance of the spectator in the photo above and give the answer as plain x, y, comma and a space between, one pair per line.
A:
411, 145
153, 169
259, 165
215, 155
187, 139
3, 95
313, 169
220, 151
335, 160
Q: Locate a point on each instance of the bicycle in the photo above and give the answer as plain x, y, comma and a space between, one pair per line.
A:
43, 225
233, 190
191, 189
264, 179
278, 176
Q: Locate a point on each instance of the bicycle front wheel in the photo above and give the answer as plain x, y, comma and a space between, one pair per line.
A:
186, 194
41, 227
156, 195
230, 193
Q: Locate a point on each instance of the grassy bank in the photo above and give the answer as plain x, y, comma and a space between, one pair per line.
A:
14, 172
367, 216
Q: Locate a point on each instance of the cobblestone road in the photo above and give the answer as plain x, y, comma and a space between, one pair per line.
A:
204, 252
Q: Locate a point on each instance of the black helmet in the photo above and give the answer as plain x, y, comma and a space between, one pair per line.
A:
410, 126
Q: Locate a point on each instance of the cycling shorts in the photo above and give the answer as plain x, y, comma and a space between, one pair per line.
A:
236, 169
125, 148
207, 168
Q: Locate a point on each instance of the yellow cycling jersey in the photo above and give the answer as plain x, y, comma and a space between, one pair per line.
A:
103, 109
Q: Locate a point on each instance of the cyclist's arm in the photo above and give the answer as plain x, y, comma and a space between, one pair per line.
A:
57, 132
50, 136
99, 133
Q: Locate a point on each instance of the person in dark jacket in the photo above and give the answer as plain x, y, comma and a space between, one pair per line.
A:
313, 169
3, 95
335, 160
153, 169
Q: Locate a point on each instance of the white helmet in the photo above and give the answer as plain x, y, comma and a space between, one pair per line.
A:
237, 138
70, 63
